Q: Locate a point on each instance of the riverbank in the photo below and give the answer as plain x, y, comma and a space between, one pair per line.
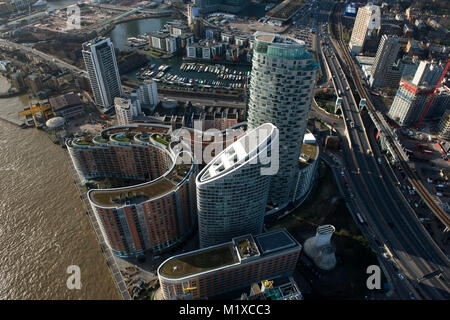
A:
44, 227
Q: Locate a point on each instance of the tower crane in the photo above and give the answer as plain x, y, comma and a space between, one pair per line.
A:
433, 94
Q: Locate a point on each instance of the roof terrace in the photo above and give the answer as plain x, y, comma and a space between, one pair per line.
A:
239, 250
136, 194
199, 261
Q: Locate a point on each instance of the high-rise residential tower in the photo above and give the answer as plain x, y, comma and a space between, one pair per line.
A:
232, 189
101, 66
385, 58
413, 95
281, 88
367, 19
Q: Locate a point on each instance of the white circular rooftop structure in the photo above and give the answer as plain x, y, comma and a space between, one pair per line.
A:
55, 123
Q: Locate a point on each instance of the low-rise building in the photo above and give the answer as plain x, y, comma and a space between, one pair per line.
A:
163, 41
68, 105
206, 50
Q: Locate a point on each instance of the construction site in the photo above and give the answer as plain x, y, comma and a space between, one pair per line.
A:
93, 18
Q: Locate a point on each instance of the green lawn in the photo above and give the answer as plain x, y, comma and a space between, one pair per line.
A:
83, 143
153, 52
160, 140
121, 139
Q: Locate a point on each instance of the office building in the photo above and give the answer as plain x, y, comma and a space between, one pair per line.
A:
232, 189
225, 267
281, 88
158, 210
384, 60
367, 19
101, 66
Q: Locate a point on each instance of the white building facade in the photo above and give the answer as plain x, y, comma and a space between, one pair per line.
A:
367, 19
103, 72
232, 189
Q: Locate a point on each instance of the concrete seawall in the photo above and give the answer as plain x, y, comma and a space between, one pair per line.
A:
13, 121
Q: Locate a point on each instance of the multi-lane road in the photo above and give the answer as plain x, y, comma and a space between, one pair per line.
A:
391, 220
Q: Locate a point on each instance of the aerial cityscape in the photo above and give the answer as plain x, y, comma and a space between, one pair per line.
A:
225, 150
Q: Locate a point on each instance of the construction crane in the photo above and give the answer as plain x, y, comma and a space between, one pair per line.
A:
43, 108
433, 94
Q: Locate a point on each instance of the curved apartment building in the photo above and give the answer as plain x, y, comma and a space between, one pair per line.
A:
225, 267
232, 189
154, 208
281, 88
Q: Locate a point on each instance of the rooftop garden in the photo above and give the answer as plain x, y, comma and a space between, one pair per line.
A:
120, 137
158, 138
100, 139
132, 194
82, 142
199, 261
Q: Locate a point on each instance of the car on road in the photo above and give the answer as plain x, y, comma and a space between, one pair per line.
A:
411, 296
401, 276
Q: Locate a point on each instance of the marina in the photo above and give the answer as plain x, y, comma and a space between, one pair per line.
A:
196, 74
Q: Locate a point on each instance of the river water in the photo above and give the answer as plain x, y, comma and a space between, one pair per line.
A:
43, 227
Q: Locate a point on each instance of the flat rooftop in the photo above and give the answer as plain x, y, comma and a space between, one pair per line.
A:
275, 241
239, 250
199, 261
276, 38
365, 60
310, 150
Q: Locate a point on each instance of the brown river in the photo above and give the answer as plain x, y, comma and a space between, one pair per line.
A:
43, 224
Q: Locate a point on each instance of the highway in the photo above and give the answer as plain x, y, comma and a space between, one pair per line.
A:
390, 218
